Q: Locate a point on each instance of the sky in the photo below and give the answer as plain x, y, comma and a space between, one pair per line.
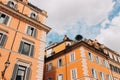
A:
93, 19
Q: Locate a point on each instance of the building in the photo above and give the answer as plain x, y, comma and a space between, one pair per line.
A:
22, 40
81, 60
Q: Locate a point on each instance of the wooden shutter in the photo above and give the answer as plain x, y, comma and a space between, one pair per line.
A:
28, 74
3, 40
6, 20
21, 46
14, 72
32, 51
35, 31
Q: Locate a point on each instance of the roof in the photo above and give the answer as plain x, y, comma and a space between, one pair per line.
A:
74, 46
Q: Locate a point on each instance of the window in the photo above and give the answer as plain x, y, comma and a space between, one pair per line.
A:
59, 62
3, 38
102, 76
94, 75
34, 15
26, 48
4, 18
49, 78
60, 77
98, 60
31, 31
119, 59
49, 66
105, 63
73, 74
72, 57
21, 72
90, 56
12, 4
108, 77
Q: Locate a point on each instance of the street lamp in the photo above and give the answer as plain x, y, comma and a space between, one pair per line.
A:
7, 63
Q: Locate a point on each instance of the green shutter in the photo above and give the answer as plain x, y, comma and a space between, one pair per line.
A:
3, 40
21, 47
15, 72
28, 74
32, 51
6, 20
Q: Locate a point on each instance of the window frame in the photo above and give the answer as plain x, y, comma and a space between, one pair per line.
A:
8, 19
90, 56
34, 33
12, 6
72, 77
59, 75
36, 15
72, 57
58, 63
49, 68
21, 46
3, 38
94, 73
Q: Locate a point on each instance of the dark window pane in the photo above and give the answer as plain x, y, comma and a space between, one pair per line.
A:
30, 31
26, 49
2, 18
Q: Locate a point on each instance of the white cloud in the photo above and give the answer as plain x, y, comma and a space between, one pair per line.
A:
111, 36
63, 12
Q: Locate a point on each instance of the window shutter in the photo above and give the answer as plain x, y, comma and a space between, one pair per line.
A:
21, 46
35, 31
28, 74
32, 51
9, 2
14, 72
3, 40
16, 6
6, 20
37, 17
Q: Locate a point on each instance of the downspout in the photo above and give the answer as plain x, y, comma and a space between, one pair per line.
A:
8, 59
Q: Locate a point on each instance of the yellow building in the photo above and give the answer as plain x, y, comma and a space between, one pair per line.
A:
81, 60
22, 40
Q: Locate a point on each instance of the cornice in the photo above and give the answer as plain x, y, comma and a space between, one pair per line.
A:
23, 17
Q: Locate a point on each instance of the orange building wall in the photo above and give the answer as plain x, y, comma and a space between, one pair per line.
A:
16, 29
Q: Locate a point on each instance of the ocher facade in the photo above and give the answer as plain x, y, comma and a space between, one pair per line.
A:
22, 40
81, 60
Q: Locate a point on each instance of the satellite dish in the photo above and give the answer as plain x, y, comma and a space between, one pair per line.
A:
78, 37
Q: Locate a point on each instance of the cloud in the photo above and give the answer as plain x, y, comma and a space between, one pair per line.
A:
62, 13
110, 36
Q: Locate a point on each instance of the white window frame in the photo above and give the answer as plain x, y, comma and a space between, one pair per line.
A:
98, 60
59, 75
58, 63
49, 67
102, 77
91, 57
8, 20
94, 73
72, 56
108, 77
34, 32
14, 6
72, 76
36, 15
106, 63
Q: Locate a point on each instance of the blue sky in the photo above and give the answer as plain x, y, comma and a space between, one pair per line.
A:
94, 19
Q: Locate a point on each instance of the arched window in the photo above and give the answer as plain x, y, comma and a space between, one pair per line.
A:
12, 4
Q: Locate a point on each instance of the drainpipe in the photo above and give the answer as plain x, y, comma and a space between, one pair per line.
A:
8, 59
